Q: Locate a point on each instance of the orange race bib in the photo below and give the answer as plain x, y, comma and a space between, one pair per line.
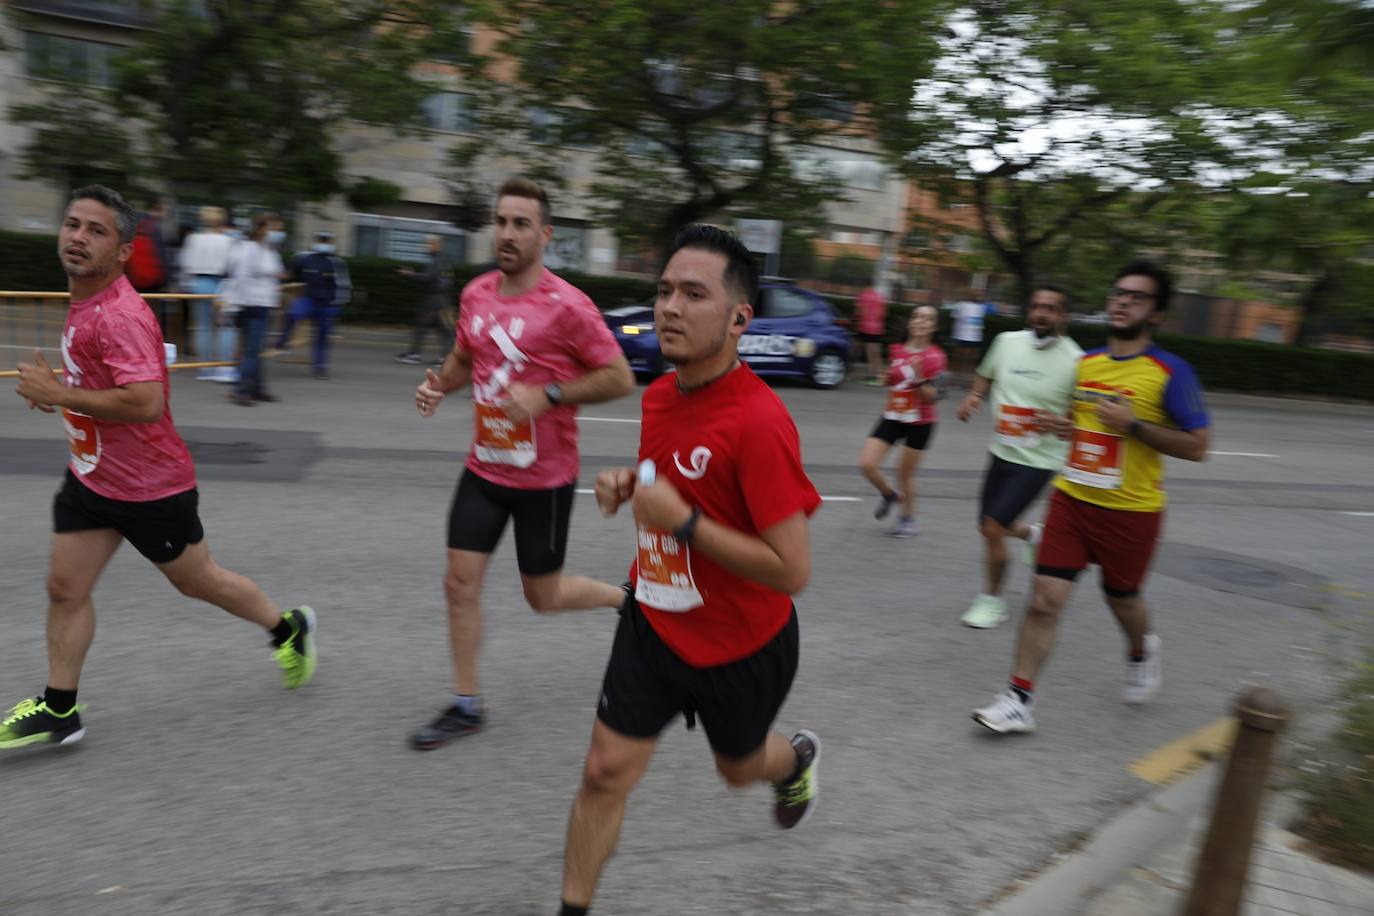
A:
903, 402
665, 572
1095, 460
83, 438
500, 440
1016, 427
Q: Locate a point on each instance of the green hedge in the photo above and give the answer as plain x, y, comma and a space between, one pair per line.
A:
29, 262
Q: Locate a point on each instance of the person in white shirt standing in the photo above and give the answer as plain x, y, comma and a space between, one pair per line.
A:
255, 275
204, 265
1030, 373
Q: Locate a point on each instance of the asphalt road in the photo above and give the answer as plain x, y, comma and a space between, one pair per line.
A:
203, 788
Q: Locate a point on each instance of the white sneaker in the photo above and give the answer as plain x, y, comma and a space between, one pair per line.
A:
905, 528
986, 612
207, 375
1144, 679
1007, 713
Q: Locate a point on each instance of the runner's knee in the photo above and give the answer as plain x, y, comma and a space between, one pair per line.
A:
461, 590
66, 590
991, 529
605, 773
543, 599
738, 774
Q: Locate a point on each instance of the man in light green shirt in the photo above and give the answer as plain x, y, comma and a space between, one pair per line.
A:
1031, 373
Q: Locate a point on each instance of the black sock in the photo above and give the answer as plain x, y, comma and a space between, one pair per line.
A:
570, 909
282, 631
1137, 658
59, 701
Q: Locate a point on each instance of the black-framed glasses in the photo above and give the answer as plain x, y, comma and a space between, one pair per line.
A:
1133, 296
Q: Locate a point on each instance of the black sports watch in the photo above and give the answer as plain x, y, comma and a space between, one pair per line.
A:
689, 527
554, 392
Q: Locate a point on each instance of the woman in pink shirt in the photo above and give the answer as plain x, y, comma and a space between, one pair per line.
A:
909, 415
872, 314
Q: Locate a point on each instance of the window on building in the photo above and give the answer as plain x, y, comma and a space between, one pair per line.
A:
73, 60
844, 235
963, 244
567, 250
404, 239
449, 111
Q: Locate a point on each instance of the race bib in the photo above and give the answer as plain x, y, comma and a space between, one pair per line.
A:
83, 438
1095, 460
665, 573
1016, 427
902, 403
500, 440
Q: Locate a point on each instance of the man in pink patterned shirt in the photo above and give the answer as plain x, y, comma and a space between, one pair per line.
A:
130, 477
532, 346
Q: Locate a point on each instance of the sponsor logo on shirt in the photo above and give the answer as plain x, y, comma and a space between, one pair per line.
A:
699, 458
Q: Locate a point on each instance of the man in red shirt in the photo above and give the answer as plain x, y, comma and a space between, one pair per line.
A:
710, 630
871, 309
533, 347
130, 477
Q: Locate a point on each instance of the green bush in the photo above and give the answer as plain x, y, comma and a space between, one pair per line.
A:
29, 262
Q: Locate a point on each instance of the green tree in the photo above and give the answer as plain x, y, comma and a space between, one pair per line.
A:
240, 100
695, 109
1046, 116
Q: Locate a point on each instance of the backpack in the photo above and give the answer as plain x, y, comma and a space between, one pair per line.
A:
144, 269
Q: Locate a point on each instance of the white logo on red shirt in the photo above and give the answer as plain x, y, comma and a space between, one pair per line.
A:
699, 457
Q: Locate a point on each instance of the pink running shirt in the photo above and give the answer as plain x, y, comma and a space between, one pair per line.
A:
112, 339
553, 333
905, 368
872, 312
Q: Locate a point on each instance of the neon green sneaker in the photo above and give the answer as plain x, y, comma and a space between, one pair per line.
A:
794, 801
296, 655
986, 612
32, 722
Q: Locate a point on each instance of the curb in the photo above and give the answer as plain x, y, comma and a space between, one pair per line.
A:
1127, 840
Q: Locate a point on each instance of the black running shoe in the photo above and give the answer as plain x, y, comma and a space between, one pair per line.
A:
32, 722
795, 800
451, 723
885, 504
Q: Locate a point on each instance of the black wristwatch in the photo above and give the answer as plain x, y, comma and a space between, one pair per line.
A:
554, 392
1134, 429
689, 527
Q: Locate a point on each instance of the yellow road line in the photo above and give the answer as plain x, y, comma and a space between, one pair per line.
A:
1183, 755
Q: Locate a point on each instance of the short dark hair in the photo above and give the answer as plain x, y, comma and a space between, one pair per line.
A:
518, 186
1164, 284
741, 271
1055, 288
126, 220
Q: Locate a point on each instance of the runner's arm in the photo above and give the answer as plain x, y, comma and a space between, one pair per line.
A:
457, 370
136, 402
611, 381
779, 558
973, 401
1188, 444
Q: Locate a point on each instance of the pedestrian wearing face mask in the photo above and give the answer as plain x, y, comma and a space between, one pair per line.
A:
255, 275
328, 288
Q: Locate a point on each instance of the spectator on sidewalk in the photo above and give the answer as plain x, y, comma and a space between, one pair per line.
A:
328, 288
204, 265
149, 264
255, 275
438, 290
871, 311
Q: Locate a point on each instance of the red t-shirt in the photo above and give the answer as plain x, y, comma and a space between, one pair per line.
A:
553, 333
732, 450
112, 339
905, 368
872, 312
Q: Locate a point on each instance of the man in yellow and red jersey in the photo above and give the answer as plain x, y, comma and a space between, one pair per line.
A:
1133, 404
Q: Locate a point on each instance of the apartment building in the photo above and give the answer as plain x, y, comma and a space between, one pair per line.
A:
47, 43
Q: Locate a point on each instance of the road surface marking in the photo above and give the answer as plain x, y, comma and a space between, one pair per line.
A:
1245, 454
1183, 755
1360, 514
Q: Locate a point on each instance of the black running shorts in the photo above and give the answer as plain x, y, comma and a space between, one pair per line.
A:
917, 435
160, 529
477, 519
647, 684
1008, 488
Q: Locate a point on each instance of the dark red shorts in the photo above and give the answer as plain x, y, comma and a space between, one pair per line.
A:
1078, 533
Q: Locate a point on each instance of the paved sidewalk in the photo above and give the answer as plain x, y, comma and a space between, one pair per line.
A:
1141, 864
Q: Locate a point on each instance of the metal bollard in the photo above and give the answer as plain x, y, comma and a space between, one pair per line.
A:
1220, 875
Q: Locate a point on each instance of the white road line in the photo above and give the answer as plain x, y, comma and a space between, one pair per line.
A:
607, 420
585, 491
1360, 514
1245, 454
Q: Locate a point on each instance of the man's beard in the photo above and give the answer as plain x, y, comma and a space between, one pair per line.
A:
86, 270
1042, 333
1131, 332
522, 261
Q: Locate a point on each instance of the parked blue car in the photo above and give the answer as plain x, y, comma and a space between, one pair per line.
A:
795, 333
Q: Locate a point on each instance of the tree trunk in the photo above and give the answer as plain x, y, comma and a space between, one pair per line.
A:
1311, 305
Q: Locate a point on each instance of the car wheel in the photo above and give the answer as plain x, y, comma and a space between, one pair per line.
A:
828, 369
